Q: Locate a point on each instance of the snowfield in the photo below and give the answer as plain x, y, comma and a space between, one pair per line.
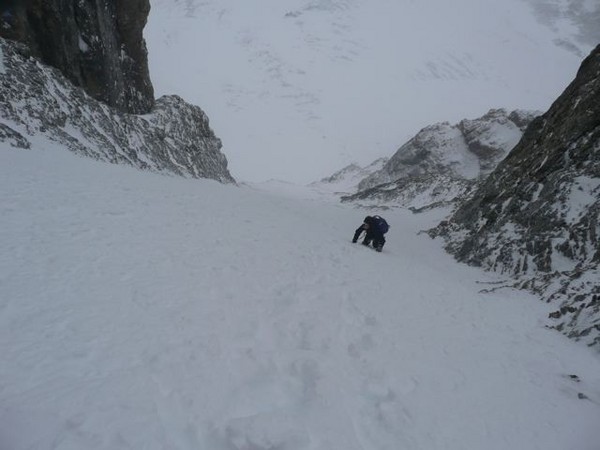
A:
294, 82
140, 311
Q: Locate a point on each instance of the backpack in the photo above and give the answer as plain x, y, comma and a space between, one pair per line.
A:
381, 224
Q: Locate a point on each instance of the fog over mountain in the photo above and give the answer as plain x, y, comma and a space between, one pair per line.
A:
441, 164
297, 88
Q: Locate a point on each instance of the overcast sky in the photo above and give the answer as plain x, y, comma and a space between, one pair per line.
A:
298, 89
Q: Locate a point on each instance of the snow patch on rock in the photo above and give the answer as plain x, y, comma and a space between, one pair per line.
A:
175, 137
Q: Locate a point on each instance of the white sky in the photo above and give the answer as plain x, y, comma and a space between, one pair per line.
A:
297, 89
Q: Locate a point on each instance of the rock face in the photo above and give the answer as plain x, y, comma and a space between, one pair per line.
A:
537, 216
97, 44
37, 101
443, 161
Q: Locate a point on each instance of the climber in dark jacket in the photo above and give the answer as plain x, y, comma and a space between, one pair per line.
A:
375, 228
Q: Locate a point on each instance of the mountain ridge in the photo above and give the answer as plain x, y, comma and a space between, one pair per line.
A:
537, 216
37, 100
442, 163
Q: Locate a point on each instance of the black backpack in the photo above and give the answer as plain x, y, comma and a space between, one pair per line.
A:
381, 224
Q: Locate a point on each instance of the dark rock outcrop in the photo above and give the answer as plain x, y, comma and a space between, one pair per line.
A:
537, 216
443, 162
97, 44
37, 101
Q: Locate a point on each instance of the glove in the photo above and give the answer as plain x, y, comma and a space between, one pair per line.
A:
354, 241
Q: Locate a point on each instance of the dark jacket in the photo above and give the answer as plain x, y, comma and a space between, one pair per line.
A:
373, 233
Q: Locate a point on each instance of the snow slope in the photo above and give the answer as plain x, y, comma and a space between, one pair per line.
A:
299, 88
145, 311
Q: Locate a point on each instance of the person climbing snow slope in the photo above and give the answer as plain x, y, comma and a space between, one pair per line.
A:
375, 228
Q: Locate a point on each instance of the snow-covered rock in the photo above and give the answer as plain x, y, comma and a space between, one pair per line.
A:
443, 161
418, 193
98, 45
175, 137
346, 180
536, 217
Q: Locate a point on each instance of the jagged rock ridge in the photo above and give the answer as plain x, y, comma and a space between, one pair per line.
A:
345, 181
536, 217
97, 44
443, 161
175, 137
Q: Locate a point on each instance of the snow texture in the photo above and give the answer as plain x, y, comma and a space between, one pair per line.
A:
174, 138
288, 83
146, 312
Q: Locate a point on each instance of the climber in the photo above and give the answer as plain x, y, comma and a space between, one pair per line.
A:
375, 227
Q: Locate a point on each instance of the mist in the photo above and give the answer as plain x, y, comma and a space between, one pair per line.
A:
298, 89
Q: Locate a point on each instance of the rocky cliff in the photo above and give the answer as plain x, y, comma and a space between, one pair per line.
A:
37, 102
443, 161
537, 216
97, 44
